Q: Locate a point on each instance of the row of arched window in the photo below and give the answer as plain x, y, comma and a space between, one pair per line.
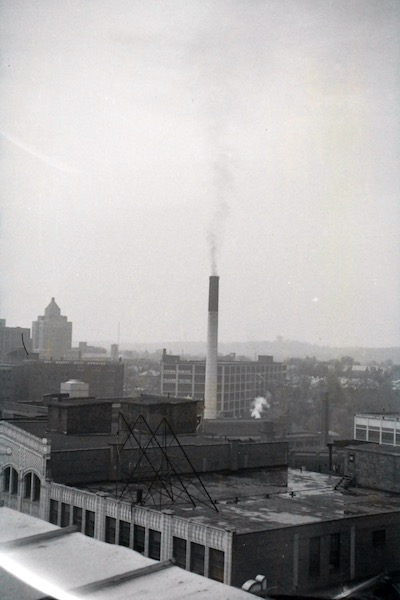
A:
31, 484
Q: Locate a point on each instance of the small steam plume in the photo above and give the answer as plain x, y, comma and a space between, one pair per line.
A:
258, 405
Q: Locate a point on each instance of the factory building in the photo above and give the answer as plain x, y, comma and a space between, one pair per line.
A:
303, 531
52, 333
238, 382
227, 386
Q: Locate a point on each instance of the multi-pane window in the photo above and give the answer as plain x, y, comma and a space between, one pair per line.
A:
124, 533
11, 481
179, 552
77, 517
216, 564
89, 523
110, 530
53, 517
197, 552
65, 514
32, 487
154, 544
138, 538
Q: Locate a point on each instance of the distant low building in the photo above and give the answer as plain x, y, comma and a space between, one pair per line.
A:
380, 428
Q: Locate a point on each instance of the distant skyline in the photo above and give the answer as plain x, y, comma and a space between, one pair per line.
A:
146, 145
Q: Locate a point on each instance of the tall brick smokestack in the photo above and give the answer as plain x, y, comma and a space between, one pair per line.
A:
210, 395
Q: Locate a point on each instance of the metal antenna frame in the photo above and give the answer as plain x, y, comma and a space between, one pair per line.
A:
155, 464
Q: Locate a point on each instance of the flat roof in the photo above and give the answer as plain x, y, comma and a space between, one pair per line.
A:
247, 502
375, 448
61, 441
380, 415
69, 561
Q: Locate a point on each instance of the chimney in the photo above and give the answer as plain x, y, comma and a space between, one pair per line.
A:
210, 395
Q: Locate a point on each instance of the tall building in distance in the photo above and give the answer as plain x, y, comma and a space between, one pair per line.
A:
239, 382
52, 333
13, 338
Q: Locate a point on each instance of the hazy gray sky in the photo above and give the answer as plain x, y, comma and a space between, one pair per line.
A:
137, 134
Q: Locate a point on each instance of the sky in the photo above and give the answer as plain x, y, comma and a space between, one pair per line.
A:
147, 145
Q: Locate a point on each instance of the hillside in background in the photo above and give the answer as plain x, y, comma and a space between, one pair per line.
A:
280, 349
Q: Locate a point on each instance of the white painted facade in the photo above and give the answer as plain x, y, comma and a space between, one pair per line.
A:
378, 428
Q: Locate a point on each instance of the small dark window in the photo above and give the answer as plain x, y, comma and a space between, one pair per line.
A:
216, 565
89, 523
65, 514
53, 512
28, 485
379, 538
197, 552
7, 479
334, 552
179, 552
138, 539
314, 566
110, 530
36, 488
124, 533
77, 517
154, 544
13, 483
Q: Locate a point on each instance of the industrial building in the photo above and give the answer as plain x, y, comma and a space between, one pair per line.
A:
381, 428
225, 507
27, 381
227, 386
215, 497
238, 382
38, 558
52, 333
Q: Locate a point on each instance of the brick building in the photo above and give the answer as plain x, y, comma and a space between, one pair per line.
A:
30, 380
302, 530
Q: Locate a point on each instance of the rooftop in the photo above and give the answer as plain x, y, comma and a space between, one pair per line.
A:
247, 502
58, 560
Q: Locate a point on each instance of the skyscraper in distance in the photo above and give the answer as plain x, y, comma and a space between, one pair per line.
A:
52, 333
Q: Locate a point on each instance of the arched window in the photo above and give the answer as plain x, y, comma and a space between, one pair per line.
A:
32, 487
10, 485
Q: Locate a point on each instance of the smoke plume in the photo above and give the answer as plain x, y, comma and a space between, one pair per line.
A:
222, 186
258, 405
